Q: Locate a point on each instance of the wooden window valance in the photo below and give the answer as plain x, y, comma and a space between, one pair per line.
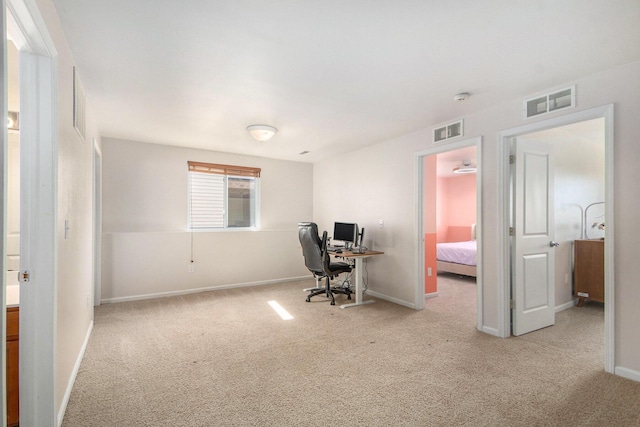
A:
224, 169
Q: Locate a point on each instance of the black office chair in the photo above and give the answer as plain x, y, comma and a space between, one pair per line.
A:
317, 260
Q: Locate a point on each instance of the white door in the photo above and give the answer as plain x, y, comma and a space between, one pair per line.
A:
38, 215
533, 288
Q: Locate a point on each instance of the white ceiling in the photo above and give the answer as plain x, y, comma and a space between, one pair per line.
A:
450, 159
331, 75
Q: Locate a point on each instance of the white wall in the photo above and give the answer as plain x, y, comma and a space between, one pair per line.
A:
13, 83
147, 247
386, 191
74, 279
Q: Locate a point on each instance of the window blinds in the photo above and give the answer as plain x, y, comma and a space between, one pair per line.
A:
224, 169
206, 204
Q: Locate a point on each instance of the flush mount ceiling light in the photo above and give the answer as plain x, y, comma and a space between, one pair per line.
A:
262, 133
465, 167
461, 96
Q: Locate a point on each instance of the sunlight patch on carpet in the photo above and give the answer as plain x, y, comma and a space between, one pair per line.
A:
280, 310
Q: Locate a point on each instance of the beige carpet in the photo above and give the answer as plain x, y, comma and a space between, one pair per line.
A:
225, 358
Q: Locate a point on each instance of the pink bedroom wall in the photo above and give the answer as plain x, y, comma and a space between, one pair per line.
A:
430, 282
430, 214
461, 208
458, 198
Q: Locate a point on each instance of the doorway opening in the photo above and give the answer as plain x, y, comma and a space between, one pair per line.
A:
573, 156
449, 207
12, 285
450, 224
38, 211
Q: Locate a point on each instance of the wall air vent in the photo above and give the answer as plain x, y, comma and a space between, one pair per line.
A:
452, 130
554, 101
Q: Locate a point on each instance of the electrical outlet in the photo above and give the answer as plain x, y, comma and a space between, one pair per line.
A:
381, 223
429, 272
192, 268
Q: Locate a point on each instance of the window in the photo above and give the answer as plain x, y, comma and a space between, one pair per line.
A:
222, 196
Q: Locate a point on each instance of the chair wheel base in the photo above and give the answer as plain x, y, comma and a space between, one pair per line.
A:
329, 292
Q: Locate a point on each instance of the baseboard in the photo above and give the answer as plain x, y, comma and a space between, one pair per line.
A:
391, 299
430, 295
629, 374
566, 305
490, 331
196, 290
74, 373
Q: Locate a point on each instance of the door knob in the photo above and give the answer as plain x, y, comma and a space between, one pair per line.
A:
554, 244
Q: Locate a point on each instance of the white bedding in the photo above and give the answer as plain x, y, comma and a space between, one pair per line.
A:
457, 252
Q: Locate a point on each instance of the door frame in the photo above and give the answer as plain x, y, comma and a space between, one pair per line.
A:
38, 180
4, 152
419, 218
504, 274
97, 224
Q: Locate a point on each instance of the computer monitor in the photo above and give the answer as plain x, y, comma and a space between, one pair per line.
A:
346, 232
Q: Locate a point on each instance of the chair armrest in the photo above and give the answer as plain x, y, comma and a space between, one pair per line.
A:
324, 251
323, 245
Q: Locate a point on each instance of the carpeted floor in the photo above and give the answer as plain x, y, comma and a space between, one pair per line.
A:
225, 358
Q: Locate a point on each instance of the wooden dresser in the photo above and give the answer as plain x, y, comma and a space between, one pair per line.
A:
589, 270
13, 358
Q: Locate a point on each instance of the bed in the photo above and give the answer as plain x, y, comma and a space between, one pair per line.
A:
458, 257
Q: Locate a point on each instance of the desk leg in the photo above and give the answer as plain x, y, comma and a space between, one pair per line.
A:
318, 285
359, 285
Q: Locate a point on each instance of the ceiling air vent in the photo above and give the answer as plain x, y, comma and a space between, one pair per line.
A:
452, 130
554, 101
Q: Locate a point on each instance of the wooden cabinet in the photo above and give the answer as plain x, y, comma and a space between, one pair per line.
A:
13, 394
589, 270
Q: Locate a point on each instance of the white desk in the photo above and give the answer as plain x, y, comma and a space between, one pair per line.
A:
358, 272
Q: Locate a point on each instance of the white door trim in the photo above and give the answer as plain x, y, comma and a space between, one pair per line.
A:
38, 180
4, 139
419, 216
504, 138
97, 223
